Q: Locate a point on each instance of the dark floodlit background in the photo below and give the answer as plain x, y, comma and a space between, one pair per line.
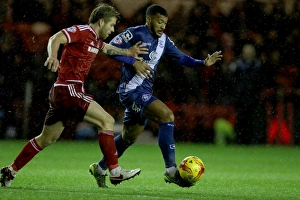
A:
250, 97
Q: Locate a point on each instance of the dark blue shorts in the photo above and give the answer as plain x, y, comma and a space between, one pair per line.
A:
135, 102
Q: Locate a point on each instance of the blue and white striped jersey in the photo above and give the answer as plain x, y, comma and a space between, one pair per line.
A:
157, 48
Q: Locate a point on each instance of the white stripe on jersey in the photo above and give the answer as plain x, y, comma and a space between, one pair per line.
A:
138, 80
75, 81
134, 82
81, 28
59, 84
87, 27
68, 36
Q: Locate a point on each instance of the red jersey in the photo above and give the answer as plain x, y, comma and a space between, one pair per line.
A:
78, 54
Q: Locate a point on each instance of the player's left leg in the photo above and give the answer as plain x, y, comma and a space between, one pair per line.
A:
97, 116
129, 135
158, 112
122, 141
48, 136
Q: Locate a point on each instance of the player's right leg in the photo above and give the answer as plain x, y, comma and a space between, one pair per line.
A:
130, 133
98, 117
158, 112
48, 136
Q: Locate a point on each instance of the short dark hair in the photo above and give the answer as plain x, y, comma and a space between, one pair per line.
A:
156, 9
103, 11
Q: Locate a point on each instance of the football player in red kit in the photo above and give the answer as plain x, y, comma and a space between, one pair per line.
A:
67, 98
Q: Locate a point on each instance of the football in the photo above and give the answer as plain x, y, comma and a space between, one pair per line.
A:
191, 169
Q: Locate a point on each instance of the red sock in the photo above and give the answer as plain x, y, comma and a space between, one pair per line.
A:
108, 148
30, 149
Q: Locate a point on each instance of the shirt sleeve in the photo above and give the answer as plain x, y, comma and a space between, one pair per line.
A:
180, 57
73, 34
124, 40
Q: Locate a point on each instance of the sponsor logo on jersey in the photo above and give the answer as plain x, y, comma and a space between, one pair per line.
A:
93, 50
127, 35
71, 29
146, 97
135, 107
147, 43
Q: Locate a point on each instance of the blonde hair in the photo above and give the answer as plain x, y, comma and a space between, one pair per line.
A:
103, 11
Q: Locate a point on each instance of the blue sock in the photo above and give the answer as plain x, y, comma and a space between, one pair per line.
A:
121, 147
167, 143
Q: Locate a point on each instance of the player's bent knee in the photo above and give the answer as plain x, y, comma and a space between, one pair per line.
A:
168, 117
108, 123
49, 142
45, 142
111, 120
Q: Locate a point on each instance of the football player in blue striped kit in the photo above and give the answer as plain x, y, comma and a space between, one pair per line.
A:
135, 90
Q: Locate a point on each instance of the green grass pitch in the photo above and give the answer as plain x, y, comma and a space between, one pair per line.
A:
232, 172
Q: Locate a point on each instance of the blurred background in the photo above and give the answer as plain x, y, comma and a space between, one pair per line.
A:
250, 97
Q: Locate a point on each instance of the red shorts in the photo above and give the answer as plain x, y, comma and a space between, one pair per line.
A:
67, 103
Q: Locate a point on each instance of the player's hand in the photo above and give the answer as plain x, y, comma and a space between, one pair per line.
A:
143, 69
138, 49
211, 59
52, 63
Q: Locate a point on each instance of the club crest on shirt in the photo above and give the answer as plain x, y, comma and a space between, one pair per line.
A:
153, 55
71, 29
117, 40
127, 35
146, 97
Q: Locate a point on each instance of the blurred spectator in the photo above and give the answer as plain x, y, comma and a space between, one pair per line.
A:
282, 105
9, 56
80, 11
198, 23
246, 86
223, 131
60, 15
199, 20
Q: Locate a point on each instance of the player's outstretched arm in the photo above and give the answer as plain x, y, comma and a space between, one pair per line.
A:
211, 59
134, 51
53, 46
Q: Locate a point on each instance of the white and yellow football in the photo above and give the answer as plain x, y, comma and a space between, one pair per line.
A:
191, 169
